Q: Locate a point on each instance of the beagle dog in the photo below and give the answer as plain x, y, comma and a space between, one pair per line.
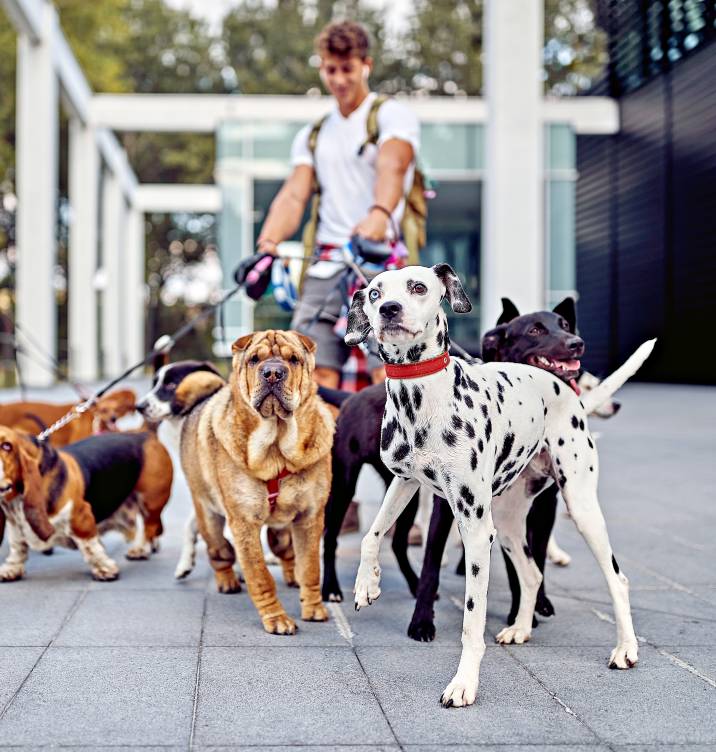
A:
71, 496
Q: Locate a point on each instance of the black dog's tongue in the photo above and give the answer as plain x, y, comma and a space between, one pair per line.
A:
575, 387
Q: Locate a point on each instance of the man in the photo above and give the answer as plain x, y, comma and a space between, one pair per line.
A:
362, 187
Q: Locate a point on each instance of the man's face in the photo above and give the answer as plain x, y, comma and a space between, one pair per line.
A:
344, 77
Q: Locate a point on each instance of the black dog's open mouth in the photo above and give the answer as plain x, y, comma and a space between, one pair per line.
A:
567, 370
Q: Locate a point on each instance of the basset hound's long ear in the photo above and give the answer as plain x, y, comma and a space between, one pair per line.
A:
568, 311
358, 326
454, 291
34, 500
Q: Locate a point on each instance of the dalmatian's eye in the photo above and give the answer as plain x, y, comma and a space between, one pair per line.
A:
373, 295
420, 289
6, 446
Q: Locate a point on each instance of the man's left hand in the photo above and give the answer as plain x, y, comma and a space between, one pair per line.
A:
374, 226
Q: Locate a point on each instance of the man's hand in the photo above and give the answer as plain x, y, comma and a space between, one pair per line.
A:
374, 226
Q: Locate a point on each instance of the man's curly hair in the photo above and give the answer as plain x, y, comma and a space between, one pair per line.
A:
343, 39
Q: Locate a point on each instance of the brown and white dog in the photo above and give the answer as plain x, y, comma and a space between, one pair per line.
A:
35, 417
69, 497
258, 452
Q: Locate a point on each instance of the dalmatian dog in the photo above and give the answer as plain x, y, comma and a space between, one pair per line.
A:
482, 436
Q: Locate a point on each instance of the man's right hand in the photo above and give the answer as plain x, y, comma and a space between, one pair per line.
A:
265, 245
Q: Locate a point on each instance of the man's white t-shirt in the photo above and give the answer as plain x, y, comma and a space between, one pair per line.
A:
346, 178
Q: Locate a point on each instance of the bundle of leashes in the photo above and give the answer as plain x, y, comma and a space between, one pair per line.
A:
162, 346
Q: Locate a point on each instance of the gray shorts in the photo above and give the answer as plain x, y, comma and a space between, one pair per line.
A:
331, 350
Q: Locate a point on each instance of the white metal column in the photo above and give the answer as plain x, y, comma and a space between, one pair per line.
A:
134, 347
36, 160
84, 167
513, 220
113, 228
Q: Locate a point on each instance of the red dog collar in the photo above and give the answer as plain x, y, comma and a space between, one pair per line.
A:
416, 370
274, 486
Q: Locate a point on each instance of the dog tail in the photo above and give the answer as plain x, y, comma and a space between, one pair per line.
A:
600, 394
335, 397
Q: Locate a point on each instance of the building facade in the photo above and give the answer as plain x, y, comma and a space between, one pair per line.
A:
646, 197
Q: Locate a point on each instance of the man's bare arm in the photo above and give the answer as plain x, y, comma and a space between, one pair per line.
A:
286, 209
394, 159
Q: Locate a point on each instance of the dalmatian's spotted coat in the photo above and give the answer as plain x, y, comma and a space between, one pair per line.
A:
473, 432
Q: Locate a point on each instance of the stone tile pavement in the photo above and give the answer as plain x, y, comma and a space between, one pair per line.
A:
150, 663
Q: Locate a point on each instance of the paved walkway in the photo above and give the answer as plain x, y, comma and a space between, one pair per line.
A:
147, 662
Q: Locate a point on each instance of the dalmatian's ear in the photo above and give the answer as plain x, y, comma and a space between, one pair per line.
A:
568, 311
509, 312
358, 325
492, 342
454, 291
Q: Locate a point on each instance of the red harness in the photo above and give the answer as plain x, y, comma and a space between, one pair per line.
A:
274, 486
416, 370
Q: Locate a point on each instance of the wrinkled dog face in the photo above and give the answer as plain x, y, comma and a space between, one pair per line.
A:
273, 371
400, 305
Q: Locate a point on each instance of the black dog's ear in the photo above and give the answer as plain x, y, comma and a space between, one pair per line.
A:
358, 325
568, 311
492, 342
454, 291
509, 312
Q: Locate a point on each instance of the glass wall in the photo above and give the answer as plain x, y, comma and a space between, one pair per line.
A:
252, 161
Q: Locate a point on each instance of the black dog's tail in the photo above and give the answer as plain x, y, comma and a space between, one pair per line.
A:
335, 397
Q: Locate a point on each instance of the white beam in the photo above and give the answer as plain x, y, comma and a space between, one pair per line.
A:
513, 214
76, 92
113, 230
160, 197
27, 17
205, 112
134, 294
84, 173
37, 129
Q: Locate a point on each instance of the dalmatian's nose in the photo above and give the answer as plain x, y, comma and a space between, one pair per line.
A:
390, 309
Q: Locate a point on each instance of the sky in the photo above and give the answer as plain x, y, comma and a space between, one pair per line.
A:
214, 10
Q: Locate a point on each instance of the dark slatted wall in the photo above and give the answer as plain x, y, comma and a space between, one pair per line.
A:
646, 198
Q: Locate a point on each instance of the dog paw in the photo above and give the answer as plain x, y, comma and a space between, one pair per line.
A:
513, 634
280, 625
367, 587
227, 581
422, 630
624, 656
314, 612
105, 572
331, 595
544, 606
558, 556
184, 569
459, 693
11, 572
139, 553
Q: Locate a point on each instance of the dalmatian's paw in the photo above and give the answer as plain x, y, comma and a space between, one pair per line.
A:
513, 634
459, 693
624, 656
367, 587
11, 572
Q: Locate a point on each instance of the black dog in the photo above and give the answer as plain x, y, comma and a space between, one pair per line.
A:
357, 441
